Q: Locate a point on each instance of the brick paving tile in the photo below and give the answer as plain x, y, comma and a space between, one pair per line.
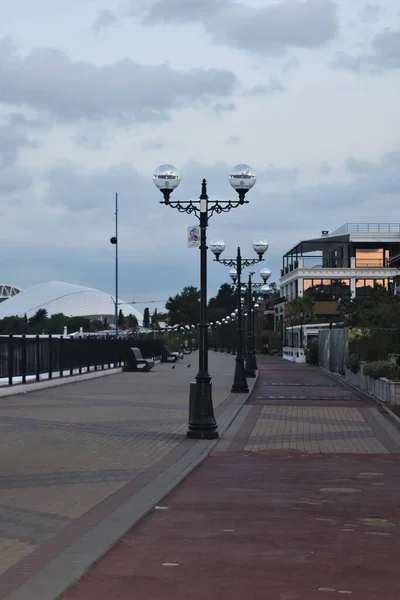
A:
305, 409
274, 512
65, 451
257, 527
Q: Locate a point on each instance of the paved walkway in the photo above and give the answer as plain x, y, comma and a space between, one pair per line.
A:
295, 407
298, 501
72, 456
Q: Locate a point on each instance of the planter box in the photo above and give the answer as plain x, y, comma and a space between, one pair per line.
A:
384, 389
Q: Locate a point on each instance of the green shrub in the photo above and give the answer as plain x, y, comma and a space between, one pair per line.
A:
382, 368
352, 362
367, 369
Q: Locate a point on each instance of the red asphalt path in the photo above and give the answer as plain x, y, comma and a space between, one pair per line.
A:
274, 526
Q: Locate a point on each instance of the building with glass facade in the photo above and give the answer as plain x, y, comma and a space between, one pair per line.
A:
346, 263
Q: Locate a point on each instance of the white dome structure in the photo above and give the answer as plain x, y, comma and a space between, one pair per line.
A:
71, 300
8, 291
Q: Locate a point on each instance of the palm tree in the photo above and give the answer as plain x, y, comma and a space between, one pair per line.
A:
302, 309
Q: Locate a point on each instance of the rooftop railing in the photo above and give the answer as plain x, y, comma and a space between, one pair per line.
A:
367, 228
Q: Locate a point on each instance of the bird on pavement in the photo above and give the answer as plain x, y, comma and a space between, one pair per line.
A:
189, 366
173, 367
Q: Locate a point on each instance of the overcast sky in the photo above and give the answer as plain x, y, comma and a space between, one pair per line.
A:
95, 94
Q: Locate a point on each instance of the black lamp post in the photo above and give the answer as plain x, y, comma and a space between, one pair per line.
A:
251, 360
301, 315
202, 424
260, 246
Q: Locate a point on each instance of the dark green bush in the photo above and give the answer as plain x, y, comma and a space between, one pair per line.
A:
352, 362
382, 368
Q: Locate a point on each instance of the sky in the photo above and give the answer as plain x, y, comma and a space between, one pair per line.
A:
96, 94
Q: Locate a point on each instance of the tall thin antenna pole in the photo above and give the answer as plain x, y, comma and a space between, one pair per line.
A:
116, 265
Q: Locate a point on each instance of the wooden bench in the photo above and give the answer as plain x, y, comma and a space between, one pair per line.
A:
136, 362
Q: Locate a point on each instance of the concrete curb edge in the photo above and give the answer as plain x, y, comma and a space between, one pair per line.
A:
26, 388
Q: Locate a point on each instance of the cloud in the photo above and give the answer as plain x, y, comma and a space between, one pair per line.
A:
48, 80
106, 18
13, 139
153, 144
326, 169
372, 184
223, 107
77, 207
274, 85
383, 55
233, 140
370, 13
268, 30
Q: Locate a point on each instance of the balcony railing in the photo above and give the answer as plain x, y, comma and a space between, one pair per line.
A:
317, 262
374, 263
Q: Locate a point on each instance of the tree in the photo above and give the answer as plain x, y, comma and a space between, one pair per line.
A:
224, 303
146, 318
274, 287
379, 310
132, 322
39, 317
56, 323
184, 307
121, 319
14, 325
37, 323
302, 309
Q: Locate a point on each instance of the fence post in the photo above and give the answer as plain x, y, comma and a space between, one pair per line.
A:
61, 356
10, 359
71, 355
80, 354
37, 357
88, 353
50, 357
24, 359
103, 352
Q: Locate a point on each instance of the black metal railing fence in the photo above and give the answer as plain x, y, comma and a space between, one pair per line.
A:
23, 357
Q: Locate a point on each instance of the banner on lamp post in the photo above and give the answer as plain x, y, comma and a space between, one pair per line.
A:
193, 236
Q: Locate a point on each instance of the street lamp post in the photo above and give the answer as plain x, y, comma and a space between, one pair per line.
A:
114, 242
202, 424
251, 359
260, 246
301, 315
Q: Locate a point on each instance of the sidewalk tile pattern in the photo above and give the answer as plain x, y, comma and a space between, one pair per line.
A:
313, 429
65, 450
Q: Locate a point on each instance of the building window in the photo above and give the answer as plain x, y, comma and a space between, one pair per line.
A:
370, 257
364, 287
328, 289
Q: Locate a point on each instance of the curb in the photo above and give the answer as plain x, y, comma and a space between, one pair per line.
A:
25, 388
53, 581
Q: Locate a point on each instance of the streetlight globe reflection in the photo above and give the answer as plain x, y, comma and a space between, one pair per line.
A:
166, 177
242, 177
